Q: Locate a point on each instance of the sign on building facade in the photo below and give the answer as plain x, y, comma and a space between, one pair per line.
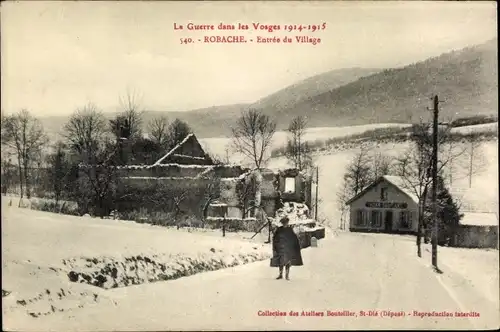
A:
386, 205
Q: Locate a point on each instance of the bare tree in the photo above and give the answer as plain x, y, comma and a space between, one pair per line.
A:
97, 184
415, 168
127, 125
177, 199
24, 134
477, 162
85, 132
212, 192
8, 168
245, 194
158, 130
342, 196
59, 168
177, 131
359, 172
252, 135
8, 174
129, 120
169, 197
86, 136
227, 160
382, 164
297, 149
5, 137
358, 176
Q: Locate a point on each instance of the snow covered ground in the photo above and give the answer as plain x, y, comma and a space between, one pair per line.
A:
53, 262
218, 145
346, 273
476, 267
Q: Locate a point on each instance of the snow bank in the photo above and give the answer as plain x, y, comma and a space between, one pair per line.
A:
55, 290
34, 290
107, 272
53, 263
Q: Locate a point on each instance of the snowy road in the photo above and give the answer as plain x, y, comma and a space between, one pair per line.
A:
351, 272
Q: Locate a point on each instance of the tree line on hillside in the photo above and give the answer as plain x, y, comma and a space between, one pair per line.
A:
413, 167
80, 167
398, 134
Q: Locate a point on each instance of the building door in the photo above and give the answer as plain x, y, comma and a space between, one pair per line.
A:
388, 221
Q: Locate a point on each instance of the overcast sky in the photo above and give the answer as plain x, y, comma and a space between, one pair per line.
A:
58, 56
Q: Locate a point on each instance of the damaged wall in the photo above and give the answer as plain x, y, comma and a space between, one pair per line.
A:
160, 194
155, 188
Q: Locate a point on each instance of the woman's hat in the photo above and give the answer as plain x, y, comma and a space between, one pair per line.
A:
284, 220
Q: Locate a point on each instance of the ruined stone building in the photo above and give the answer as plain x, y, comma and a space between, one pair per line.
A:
188, 182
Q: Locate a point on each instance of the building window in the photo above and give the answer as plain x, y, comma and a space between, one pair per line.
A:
360, 218
383, 194
376, 218
406, 219
289, 185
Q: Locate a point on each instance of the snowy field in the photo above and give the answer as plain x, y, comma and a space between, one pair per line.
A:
482, 196
218, 145
43, 251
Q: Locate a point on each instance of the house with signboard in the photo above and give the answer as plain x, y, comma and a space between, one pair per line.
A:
384, 206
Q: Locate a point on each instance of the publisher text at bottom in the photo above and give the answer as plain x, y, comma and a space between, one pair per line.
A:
368, 313
307, 313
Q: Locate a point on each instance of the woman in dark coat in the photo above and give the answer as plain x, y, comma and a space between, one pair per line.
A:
286, 249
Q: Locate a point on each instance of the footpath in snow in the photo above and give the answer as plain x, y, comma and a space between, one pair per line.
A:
351, 281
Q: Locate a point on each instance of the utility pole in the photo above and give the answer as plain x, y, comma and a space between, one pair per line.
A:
470, 162
434, 181
316, 204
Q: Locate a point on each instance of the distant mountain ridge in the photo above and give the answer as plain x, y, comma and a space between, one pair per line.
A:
466, 80
311, 87
216, 120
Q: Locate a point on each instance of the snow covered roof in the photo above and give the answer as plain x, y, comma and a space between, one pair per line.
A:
396, 181
400, 184
159, 161
218, 204
163, 178
479, 219
169, 165
164, 166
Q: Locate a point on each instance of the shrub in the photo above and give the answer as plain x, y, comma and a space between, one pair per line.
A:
233, 224
474, 120
69, 208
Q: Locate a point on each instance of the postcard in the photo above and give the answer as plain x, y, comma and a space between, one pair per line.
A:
249, 165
